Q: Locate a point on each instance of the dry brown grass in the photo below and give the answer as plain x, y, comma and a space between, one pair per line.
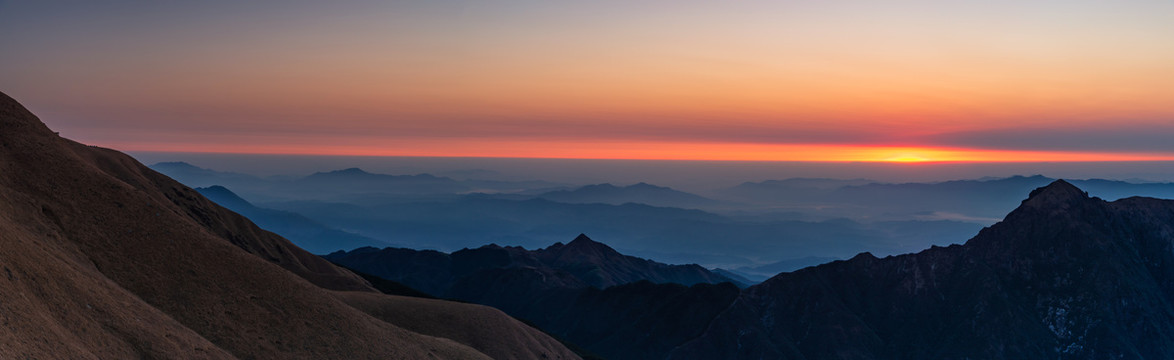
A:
104, 258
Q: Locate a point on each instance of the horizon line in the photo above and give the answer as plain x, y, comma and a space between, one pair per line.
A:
893, 162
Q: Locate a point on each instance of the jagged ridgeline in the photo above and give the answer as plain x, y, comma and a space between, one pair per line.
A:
1064, 276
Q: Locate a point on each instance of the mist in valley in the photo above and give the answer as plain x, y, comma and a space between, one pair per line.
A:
757, 217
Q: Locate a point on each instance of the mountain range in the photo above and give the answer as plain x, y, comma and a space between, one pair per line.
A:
453, 221
978, 200
104, 258
774, 221
666, 234
351, 184
1064, 275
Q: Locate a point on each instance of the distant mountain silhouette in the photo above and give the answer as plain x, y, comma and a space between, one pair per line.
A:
346, 184
640, 193
693, 235
1113, 189
772, 220
800, 188
354, 174
1063, 276
981, 201
104, 258
195, 176
357, 175
302, 231
357, 180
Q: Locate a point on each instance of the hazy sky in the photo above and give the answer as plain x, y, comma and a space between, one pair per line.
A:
753, 80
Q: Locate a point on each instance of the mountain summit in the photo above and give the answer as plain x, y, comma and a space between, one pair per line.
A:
104, 258
601, 266
1058, 194
583, 238
580, 250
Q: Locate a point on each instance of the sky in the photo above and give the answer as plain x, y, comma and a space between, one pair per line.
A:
900, 81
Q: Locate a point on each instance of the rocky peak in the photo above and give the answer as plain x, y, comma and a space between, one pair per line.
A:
583, 239
580, 251
583, 244
1058, 194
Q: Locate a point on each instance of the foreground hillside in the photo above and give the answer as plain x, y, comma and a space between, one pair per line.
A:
104, 258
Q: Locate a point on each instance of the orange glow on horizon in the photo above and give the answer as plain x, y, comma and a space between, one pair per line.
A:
907, 158
656, 151
754, 80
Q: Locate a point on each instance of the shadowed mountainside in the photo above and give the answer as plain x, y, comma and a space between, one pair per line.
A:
559, 287
104, 258
581, 263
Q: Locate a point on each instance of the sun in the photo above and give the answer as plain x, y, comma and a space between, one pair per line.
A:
907, 158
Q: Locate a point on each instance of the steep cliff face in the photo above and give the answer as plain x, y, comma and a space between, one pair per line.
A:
104, 258
1063, 276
